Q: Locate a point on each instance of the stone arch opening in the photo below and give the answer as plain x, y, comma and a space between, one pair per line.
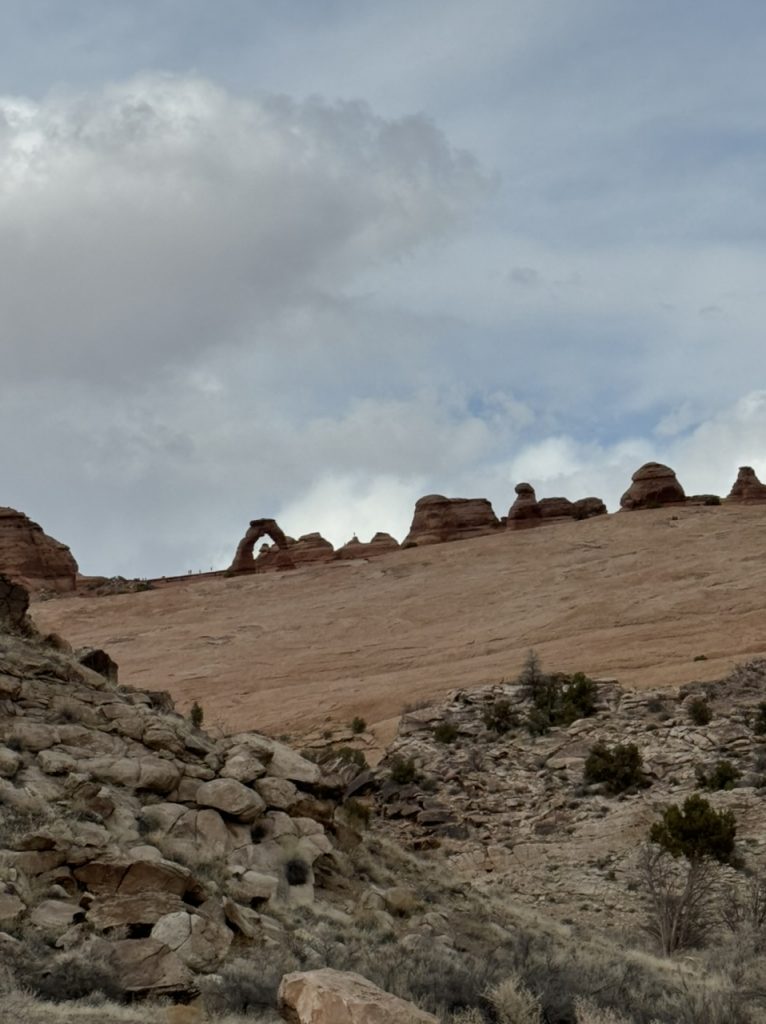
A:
244, 560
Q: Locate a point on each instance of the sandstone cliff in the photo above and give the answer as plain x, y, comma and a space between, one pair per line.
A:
31, 557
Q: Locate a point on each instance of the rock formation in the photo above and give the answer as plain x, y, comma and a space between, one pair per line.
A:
438, 519
309, 549
653, 485
327, 996
380, 544
31, 557
525, 511
747, 489
585, 508
244, 560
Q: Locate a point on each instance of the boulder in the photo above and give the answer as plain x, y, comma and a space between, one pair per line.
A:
199, 942
584, 508
148, 967
232, 798
99, 661
138, 876
525, 511
138, 909
282, 761
30, 557
438, 519
327, 996
380, 544
278, 793
653, 485
747, 489
11, 909
556, 508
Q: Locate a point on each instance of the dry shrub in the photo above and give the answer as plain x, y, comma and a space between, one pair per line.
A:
588, 1013
514, 1003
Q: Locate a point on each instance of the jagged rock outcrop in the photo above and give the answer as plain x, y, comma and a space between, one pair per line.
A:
438, 519
243, 558
327, 996
30, 557
747, 489
380, 544
525, 511
653, 485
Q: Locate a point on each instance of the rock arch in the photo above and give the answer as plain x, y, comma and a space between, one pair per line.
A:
243, 558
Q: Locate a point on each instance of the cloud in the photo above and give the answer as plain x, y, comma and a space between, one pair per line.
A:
162, 218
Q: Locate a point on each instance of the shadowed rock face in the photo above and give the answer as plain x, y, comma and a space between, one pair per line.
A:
244, 560
438, 519
653, 484
747, 488
379, 545
31, 557
14, 602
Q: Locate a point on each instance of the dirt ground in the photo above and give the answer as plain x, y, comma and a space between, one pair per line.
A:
635, 596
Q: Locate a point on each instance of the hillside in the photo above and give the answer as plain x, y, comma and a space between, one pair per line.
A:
638, 596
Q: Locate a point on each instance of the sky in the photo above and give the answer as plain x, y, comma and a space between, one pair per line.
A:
313, 259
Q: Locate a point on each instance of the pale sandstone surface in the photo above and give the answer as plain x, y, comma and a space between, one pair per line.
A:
636, 597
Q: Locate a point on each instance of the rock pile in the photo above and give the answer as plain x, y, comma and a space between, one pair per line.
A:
120, 819
653, 485
747, 489
30, 557
438, 519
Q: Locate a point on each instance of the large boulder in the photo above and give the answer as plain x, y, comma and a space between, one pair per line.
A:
438, 519
327, 996
747, 489
282, 761
30, 557
200, 942
149, 967
232, 798
653, 485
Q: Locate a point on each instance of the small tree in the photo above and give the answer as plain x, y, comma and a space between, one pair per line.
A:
679, 898
619, 768
358, 725
699, 711
696, 830
196, 715
723, 775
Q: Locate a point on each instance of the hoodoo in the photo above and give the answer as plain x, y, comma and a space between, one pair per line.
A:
653, 485
747, 489
30, 557
525, 511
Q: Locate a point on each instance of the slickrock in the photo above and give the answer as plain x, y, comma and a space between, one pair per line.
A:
653, 485
30, 557
747, 488
380, 544
327, 996
438, 519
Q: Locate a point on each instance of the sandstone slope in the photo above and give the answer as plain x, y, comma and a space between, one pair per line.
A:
636, 595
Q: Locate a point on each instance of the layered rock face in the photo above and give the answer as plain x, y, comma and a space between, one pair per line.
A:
653, 485
244, 560
747, 489
31, 557
380, 544
438, 519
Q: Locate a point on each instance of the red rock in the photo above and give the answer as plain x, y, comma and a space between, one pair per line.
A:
525, 511
310, 549
584, 508
747, 489
653, 485
380, 544
244, 560
32, 558
556, 508
438, 519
